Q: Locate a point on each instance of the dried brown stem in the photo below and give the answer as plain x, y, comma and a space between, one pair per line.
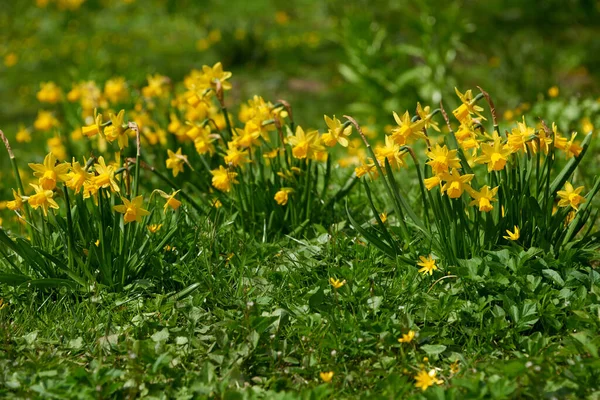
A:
491, 104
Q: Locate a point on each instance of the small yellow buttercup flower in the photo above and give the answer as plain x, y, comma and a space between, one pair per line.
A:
407, 337
326, 376
513, 235
336, 283
427, 264
153, 228
425, 379
553, 91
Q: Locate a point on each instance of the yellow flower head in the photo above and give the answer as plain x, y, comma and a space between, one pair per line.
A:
427, 264
154, 228
42, 198
553, 91
426, 116
513, 235
468, 107
115, 90
425, 379
15, 204
570, 196
235, 156
494, 155
115, 130
336, 283
49, 93
455, 183
519, 137
367, 167
484, 198
23, 135
171, 202
326, 376
336, 133
432, 182
406, 131
391, 152
282, 196
223, 178
175, 161
440, 159
77, 177
305, 145
49, 173
45, 121
407, 337
132, 209
95, 128
105, 176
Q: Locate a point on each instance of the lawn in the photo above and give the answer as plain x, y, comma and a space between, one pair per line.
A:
318, 200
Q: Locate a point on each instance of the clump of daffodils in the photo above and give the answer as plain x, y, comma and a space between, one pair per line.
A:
480, 186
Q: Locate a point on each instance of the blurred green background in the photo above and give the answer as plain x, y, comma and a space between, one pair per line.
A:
337, 56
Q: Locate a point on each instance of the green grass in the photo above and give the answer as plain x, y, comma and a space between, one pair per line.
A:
265, 321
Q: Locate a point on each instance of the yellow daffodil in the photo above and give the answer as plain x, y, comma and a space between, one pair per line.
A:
175, 161
406, 131
432, 182
455, 183
391, 152
249, 136
16, 204
305, 145
336, 283
483, 199
427, 264
407, 337
215, 73
426, 116
495, 155
425, 379
49, 93
171, 201
132, 209
77, 177
115, 90
518, 138
105, 176
282, 196
23, 135
42, 198
367, 167
49, 173
337, 132
45, 121
570, 197
116, 131
440, 159
326, 376
468, 107
235, 156
513, 235
223, 178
